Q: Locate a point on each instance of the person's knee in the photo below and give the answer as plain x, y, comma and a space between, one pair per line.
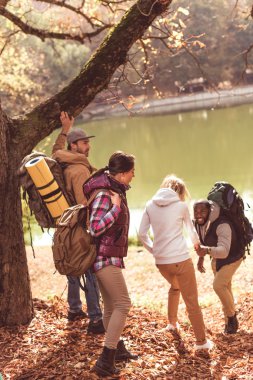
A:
174, 291
218, 286
192, 304
124, 306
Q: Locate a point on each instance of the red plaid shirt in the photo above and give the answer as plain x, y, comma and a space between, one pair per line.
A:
103, 215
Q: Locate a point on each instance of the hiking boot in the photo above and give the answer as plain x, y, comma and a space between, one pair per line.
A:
232, 325
105, 365
96, 327
73, 316
122, 353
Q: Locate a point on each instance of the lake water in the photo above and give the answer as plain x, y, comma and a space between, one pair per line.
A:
201, 147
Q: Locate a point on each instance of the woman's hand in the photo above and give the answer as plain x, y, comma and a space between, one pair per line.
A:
115, 198
200, 265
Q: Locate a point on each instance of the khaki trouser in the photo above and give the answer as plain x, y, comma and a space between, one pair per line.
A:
182, 278
222, 286
116, 303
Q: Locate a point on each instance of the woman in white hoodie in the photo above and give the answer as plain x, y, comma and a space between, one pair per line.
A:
166, 213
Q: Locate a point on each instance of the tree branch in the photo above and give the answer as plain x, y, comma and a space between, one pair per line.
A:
93, 78
44, 34
76, 10
108, 2
7, 40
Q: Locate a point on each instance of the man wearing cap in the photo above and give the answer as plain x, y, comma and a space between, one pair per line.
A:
76, 170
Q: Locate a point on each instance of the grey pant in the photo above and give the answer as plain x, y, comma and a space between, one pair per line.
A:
116, 302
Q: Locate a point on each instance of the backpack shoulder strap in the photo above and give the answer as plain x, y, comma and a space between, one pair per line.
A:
93, 196
91, 199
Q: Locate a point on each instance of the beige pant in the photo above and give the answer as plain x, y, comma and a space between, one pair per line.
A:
116, 302
222, 286
182, 278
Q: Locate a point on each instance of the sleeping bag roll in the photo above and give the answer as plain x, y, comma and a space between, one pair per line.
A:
47, 186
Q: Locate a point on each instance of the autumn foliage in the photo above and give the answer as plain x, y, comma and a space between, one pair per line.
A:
52, 348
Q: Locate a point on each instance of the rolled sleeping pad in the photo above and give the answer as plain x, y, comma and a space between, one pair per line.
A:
47, 186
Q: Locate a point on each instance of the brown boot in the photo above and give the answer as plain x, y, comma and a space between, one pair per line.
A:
232, 325
122, 353
105, 365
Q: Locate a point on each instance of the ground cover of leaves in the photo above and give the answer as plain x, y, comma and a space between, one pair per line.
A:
50, 347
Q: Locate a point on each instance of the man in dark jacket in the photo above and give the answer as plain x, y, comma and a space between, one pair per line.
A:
220, 242
77, 170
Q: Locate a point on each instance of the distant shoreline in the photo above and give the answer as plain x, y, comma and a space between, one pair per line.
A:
171, 105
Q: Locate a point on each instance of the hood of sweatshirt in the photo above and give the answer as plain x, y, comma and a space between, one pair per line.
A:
67, 157
165, 197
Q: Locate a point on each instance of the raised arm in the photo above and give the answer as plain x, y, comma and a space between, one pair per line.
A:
105, 210
67, 123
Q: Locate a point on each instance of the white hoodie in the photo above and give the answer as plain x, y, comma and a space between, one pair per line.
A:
166, 214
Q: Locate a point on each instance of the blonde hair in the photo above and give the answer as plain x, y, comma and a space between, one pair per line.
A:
176, 184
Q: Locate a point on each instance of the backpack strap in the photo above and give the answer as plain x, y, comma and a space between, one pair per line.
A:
91, 199
83, 285
93, 196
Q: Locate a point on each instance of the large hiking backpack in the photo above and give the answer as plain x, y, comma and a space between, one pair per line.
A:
226, 196
74, 250
35, 202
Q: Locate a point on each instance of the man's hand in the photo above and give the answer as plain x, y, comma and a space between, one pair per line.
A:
115, 198
196, 247
200, 265
66, 121
201, 250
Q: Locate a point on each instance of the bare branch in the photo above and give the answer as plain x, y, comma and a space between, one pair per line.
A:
204, 74
44, 34
71, 8
108, 2
7, 40
245, 55
235, 6
150, 10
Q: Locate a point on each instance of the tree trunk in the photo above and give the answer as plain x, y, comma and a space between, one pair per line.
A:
15, 294
18, 137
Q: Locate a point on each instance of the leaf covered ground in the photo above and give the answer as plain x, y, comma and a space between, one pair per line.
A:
50, 347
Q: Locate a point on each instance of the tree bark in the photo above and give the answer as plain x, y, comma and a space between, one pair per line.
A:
19, 136
15, 294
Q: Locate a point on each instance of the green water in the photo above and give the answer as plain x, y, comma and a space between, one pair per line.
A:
200, 147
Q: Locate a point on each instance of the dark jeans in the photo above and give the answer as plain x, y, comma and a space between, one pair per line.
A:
91, 294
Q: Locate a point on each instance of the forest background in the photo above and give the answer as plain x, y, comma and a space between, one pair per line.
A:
210, 40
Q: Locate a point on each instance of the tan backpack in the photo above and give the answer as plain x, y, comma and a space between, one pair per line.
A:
74, 250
